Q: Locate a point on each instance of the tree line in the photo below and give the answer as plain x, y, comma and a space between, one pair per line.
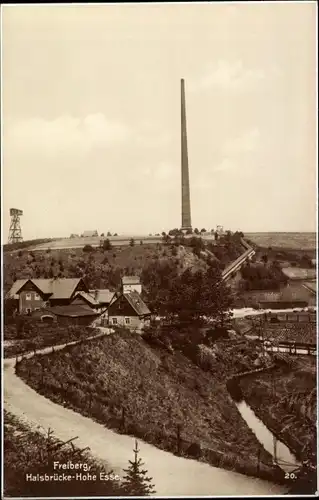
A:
190, 296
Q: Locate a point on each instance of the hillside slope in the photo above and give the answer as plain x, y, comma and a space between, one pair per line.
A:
127, 385
101, 269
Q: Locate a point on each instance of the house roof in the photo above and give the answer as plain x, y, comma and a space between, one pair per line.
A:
130, 280
90, 233
135, 300
72, 311
104, 296
88, 297
56, 288
17, 285
311, 285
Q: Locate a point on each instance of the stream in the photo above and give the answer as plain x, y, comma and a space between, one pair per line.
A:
285, 459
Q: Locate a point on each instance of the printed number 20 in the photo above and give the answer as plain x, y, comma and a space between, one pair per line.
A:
290, 475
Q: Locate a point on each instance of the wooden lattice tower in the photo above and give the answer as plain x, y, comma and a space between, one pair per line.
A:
15, 233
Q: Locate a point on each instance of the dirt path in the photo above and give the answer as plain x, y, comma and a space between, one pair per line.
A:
172, 475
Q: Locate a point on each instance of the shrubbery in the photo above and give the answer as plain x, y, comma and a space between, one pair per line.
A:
156, 389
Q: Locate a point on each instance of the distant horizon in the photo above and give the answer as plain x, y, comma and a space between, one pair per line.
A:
143, 234
91, 116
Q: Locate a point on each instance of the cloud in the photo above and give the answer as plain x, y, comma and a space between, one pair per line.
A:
65, 134
249, 141
240, 154
229, 76
225, 165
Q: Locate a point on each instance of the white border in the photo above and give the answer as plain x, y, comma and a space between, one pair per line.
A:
2, 235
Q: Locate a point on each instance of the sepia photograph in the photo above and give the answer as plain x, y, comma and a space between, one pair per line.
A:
159, 249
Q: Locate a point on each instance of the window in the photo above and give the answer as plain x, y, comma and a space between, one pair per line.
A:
127, 321
28, 296
114, 321
37, 296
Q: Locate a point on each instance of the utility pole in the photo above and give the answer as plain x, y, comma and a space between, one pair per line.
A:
273, 397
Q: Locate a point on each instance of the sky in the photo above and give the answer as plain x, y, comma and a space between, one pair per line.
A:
91, 116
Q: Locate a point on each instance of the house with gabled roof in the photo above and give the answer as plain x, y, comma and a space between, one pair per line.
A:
71, 314
34, 294
90, 234
129, 310
97, 300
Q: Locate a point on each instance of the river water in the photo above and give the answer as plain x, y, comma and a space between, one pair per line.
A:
285, 459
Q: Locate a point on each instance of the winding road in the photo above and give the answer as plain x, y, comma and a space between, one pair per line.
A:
172, 475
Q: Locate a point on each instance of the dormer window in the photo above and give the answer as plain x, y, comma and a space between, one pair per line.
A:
28, 296
37, 296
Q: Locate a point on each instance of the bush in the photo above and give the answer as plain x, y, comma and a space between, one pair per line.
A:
88, 248
194, 450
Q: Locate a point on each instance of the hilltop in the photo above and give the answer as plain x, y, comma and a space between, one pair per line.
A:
103, 267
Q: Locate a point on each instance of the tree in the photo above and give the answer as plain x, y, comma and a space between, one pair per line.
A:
109, 234
107, 245
189, 231
136, 482
10, 307
203, 231
196, 230
166, 239
196, 243
87, 248
115, 234
132, 242
102, 235
141, 242
264, 259
216, 235
175, 232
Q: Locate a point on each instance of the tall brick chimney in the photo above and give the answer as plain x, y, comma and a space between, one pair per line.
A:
186, 202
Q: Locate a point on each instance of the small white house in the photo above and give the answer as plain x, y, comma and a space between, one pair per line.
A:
131, 283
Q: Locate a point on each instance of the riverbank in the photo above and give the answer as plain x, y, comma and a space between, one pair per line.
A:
285, 400
173, 391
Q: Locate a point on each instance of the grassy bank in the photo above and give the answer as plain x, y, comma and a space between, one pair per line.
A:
37, 336
162, 398
285, 400
29, 452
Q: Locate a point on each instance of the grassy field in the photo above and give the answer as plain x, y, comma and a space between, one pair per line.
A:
29, 452
127, 385
286, 400
285, 240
